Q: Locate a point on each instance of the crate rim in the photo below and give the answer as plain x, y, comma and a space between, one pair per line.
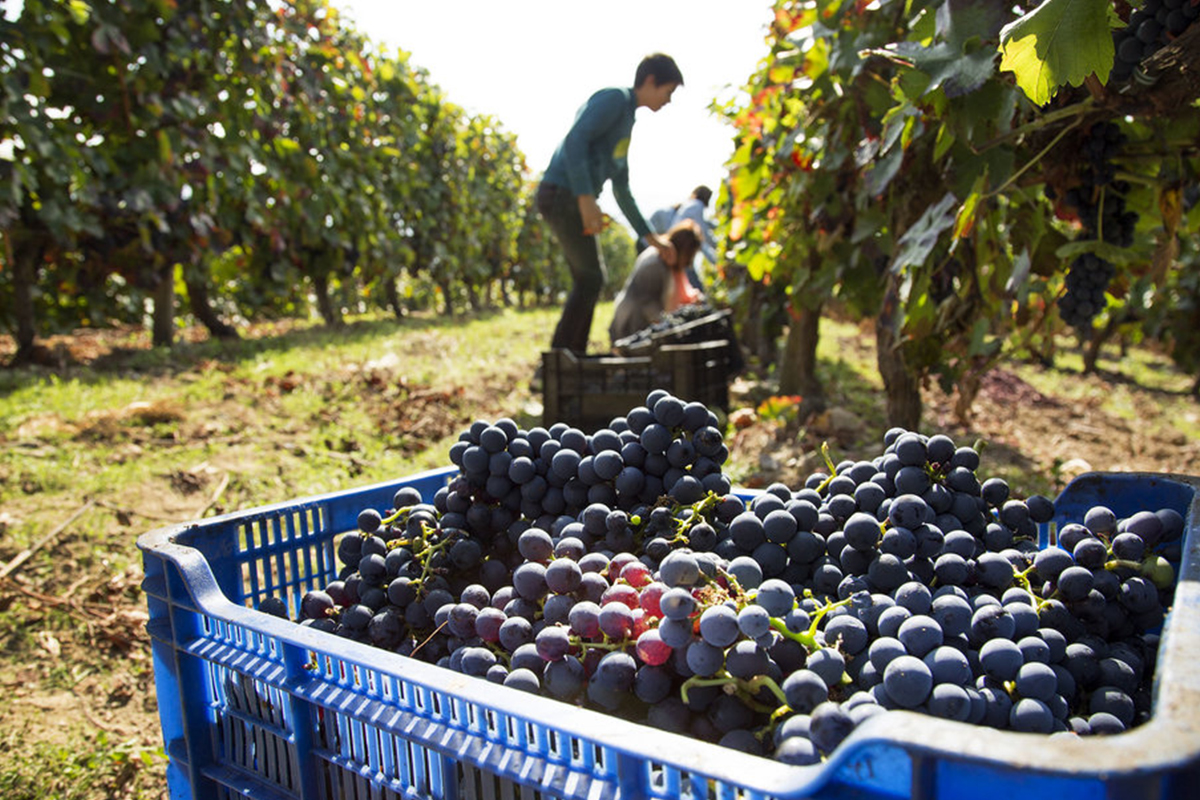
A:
1167, 741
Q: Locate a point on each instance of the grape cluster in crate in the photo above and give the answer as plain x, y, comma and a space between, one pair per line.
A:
618, 571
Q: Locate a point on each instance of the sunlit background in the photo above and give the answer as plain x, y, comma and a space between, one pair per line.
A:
532, 63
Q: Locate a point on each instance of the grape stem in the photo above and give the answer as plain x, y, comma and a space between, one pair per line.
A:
1025, 168
808, 638
829, 463
1023, 579
423, 553
1077, 110
399, 512
682, 525
607, 644
748, 689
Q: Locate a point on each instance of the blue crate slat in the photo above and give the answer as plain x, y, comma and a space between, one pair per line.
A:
256, 706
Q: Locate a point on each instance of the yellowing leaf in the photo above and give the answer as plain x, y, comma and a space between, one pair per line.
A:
1060, 42
964, 221
80, 11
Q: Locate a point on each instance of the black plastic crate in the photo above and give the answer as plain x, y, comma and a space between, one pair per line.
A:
716, 326
588, 391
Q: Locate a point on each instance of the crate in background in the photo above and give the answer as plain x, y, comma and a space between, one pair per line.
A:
253, 706
588, 391
717, 326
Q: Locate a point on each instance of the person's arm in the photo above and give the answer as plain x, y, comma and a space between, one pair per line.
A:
629, 208
620, 185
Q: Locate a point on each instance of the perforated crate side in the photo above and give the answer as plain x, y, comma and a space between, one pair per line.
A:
268, 709
229, 724
589, 391
699, 372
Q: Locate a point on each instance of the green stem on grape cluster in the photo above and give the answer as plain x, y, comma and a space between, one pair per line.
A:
499, 651
731, 591
760, 681
778, 714
684, 524
399, 512
423, 553
1022, 578
608, 644
696, 682
808, 638
748, 689
828, 463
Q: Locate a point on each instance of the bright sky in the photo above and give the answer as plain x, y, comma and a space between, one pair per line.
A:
532, 63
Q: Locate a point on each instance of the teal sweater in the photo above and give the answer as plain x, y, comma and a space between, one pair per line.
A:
596, 149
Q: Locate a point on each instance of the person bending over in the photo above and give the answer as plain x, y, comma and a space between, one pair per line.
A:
656, 286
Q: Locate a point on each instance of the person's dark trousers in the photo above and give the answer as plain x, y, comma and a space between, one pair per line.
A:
559, 207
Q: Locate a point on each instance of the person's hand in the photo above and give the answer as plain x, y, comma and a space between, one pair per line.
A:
593, 218
666, 250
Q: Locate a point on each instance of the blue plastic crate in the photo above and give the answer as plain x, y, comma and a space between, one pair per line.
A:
256, 706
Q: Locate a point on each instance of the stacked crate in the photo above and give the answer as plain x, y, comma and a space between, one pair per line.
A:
694, 361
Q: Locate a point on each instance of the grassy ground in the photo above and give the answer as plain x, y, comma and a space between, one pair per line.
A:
142, 438
126, 439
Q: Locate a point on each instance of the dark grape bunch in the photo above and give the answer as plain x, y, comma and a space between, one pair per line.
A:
1099, 201
1087, 280
1150, 28
773, 625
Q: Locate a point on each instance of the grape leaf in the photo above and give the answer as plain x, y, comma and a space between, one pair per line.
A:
1022, 265
918, 241
957, 69
1058, 43
883, 170
960, 20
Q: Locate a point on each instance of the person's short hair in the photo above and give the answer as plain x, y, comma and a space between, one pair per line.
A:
661, 66
702, 193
